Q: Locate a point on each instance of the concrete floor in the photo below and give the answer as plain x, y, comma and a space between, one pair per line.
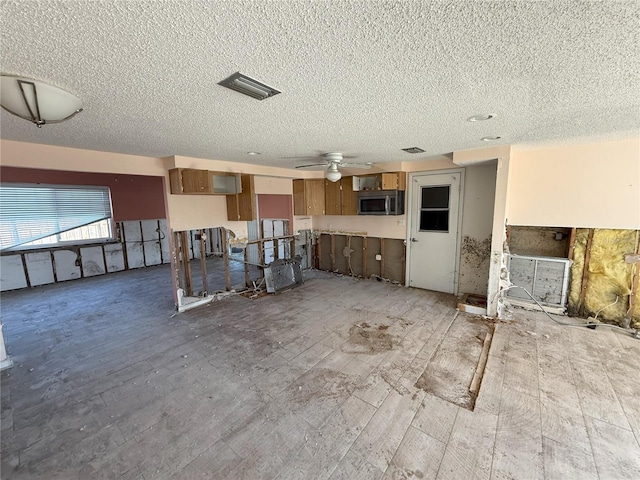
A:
107, 384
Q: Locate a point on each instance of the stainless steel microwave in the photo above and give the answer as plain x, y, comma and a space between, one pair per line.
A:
381, 202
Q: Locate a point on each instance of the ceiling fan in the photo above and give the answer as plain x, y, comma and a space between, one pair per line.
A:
333, 162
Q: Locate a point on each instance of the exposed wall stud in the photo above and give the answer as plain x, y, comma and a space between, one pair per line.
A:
382, 253
572, 243
26, 270
224, 239
585, 272
184, 243
364, 257
203, 262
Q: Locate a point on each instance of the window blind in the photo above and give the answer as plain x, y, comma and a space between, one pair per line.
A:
31, 212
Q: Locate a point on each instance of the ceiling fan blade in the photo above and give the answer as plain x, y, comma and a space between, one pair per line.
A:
324, 164
363, 166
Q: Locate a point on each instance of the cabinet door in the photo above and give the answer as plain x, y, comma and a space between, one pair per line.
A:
247, 199
299, 203
314, 196
349, 197
195, 181
332, 201
242, 206
394, 181
389, 181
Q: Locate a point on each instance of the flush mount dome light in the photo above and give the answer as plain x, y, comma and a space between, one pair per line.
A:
249, 86
253, 153
491, 138
481, 117
37, 101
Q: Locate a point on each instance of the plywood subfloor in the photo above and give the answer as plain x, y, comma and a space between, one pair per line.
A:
108, 384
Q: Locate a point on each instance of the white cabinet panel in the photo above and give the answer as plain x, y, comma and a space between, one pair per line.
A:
66, 268
151, 243
12, 273
40, 268
92, 261
114, 256
132, 231
133, 237
135, 257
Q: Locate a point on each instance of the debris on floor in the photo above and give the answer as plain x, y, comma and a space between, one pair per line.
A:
472, 303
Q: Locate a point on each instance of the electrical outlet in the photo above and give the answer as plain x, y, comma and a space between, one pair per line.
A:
378, 257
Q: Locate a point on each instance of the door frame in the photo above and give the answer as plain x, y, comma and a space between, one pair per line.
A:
410, 209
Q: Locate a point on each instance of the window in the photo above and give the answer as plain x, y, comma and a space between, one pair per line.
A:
434, 209
42, 215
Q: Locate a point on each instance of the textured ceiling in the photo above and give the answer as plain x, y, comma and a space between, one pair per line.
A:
365, 78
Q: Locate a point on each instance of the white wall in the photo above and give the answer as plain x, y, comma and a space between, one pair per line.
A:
594, 185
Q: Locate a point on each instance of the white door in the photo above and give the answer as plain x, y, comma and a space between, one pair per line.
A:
433, 244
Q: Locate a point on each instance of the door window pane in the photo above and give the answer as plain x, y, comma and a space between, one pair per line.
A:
434, 209
434, 220
435, 197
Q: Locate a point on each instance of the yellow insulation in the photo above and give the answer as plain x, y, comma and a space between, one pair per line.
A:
609, 276
579, 248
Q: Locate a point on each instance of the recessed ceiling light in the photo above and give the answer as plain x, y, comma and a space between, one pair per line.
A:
413, 150
481, 117
253, 153
491, 138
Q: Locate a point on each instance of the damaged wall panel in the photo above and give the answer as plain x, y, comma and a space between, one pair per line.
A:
474, 265
67, 265
394, 258
362, 256
324, 253
356, 244
133, 249
477, 225
372, 265
340, 260
601, 280
539, 241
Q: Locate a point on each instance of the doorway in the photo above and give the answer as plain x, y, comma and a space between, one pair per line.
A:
433, 234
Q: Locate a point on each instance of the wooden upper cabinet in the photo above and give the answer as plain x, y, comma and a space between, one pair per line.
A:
308, 197
242, 206
187, 180
349, 201
381, 181
332, 198
394, 181
195, 181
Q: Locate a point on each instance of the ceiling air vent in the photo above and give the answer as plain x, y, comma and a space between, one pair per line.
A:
247, 85
413, 150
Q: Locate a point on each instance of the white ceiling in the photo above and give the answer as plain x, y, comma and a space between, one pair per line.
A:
365, 78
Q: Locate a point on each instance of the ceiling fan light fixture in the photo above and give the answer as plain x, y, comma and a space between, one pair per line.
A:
249, 86
333, 174
36, 101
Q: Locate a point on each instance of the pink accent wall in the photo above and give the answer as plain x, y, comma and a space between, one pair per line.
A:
133, 197
275, 206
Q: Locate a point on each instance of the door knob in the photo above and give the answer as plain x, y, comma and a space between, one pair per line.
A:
414, 239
